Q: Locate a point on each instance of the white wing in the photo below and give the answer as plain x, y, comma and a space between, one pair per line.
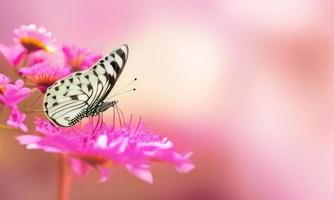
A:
68, 100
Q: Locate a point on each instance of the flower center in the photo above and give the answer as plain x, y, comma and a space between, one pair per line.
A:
2, 89
33, 44
43, 81
76, 62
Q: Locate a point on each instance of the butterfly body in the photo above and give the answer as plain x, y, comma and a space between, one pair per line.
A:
82, 94
103, 106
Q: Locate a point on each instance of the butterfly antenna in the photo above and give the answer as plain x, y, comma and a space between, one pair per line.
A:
124, 92
125, 86
121, 91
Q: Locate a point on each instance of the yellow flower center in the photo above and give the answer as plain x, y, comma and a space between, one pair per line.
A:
33, 44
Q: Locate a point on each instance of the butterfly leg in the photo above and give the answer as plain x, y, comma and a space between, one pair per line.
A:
90, 120
113, 118
122, 114
97, 124
119, 116
101, 120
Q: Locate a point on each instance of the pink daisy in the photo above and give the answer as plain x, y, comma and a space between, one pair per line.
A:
130, 146
12, 94
44, 74
16, 119
34, 38
13, 54
79, 58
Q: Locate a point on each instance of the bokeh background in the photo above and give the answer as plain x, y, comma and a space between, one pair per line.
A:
247, 85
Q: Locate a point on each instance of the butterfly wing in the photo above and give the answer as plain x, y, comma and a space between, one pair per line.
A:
74, 96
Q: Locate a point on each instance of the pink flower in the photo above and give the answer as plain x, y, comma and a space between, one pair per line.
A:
79, 58
130, 146
44, 74
12, 94
16, 119
34, 38
13, 54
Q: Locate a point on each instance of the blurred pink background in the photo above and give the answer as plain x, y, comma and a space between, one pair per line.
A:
246, 85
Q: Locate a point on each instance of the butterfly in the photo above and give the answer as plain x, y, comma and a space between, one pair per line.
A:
83, 94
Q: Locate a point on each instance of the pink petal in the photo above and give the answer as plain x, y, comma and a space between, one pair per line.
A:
49, 149
45, 127
38, 57
31, 142
141, 171
104, 173
79, 167
102, 141
13, 54
183, 163
28, 139
58, 143
4, 80
184, 167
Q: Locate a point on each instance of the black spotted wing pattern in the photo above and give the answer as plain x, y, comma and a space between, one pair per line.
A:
80, 92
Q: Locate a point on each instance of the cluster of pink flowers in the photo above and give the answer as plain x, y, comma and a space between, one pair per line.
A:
32, 58
88, 146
